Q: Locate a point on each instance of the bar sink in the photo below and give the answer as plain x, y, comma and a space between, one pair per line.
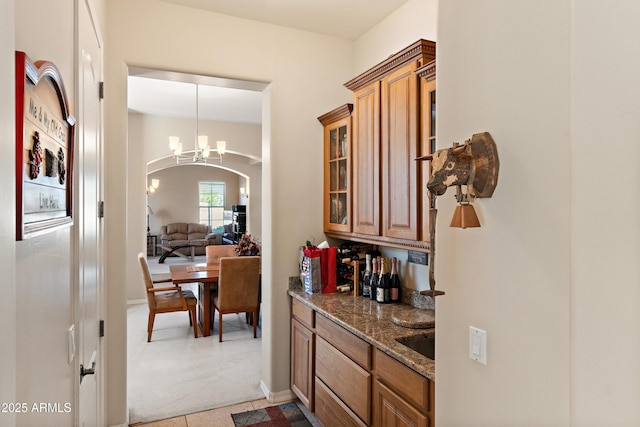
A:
423, 344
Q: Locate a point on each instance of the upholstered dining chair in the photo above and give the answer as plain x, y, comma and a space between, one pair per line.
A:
166, 299
215, 252
238, 288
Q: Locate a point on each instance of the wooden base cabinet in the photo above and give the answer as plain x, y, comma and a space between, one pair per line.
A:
331, 411
401, 397
391, 410
348, 383
302, 359
303, 353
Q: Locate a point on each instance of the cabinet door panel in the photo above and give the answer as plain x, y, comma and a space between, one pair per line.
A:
389, 410
400, 141
337, 175
428, 144
412, 386
366, 160
302, 363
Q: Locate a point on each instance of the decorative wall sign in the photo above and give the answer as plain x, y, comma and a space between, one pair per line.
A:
44, 134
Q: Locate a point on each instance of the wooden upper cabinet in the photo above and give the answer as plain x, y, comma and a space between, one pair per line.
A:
427, 75
366, 160
400, 140
390, 207
337, 169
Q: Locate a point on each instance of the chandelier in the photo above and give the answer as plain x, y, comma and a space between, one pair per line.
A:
202, 151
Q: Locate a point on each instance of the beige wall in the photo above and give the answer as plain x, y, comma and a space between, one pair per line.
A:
45, 280
244, 154
176, 200
302, 87
605, 202
552, 275
415, 20
8, 285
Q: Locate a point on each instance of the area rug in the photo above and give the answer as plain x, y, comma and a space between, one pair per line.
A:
285, 415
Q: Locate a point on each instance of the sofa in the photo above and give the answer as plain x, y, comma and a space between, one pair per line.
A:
189, 233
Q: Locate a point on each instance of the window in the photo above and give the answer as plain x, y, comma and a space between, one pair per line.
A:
211, 204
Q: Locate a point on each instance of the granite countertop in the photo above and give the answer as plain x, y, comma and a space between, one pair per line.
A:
373, 323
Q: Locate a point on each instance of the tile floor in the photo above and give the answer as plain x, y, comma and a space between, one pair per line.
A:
220, 417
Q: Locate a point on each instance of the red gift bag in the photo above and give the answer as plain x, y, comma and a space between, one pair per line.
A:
328, 270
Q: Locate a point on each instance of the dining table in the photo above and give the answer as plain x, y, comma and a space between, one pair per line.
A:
206, 275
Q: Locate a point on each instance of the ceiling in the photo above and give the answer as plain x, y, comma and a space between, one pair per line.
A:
173, 94
341, 18
163, 94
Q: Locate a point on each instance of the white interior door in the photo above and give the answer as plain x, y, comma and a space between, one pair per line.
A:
90, 236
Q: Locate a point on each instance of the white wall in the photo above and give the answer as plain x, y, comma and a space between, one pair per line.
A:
552, 275
8, 332
302, 87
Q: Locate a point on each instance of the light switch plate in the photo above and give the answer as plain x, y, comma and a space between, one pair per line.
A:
478, 345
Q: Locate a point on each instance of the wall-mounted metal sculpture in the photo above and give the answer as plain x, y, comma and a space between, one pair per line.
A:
474, 165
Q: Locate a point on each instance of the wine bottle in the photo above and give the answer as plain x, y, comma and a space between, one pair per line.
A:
382, 290
366, 277
394, 280
374, 279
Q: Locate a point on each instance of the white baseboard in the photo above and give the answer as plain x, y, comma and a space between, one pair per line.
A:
280, 396
136, 301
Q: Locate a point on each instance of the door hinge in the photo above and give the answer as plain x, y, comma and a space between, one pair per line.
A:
101, 328
101, 90
101, 209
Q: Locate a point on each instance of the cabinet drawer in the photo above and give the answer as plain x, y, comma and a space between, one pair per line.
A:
408, 384
358, 350
331, 411
303, 313
345, 378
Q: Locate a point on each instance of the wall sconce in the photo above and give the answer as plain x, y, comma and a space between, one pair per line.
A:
475, 165
149, 213
155, 183
243, 192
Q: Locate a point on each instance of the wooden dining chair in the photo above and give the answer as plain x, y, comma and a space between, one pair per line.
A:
238, 288
166, 299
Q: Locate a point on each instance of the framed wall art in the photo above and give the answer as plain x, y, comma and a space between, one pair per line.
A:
44, 149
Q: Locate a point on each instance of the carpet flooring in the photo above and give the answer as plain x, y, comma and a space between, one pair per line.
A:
284, 415
177, 374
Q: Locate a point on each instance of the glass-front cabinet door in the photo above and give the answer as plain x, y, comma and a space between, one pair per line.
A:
337, 169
